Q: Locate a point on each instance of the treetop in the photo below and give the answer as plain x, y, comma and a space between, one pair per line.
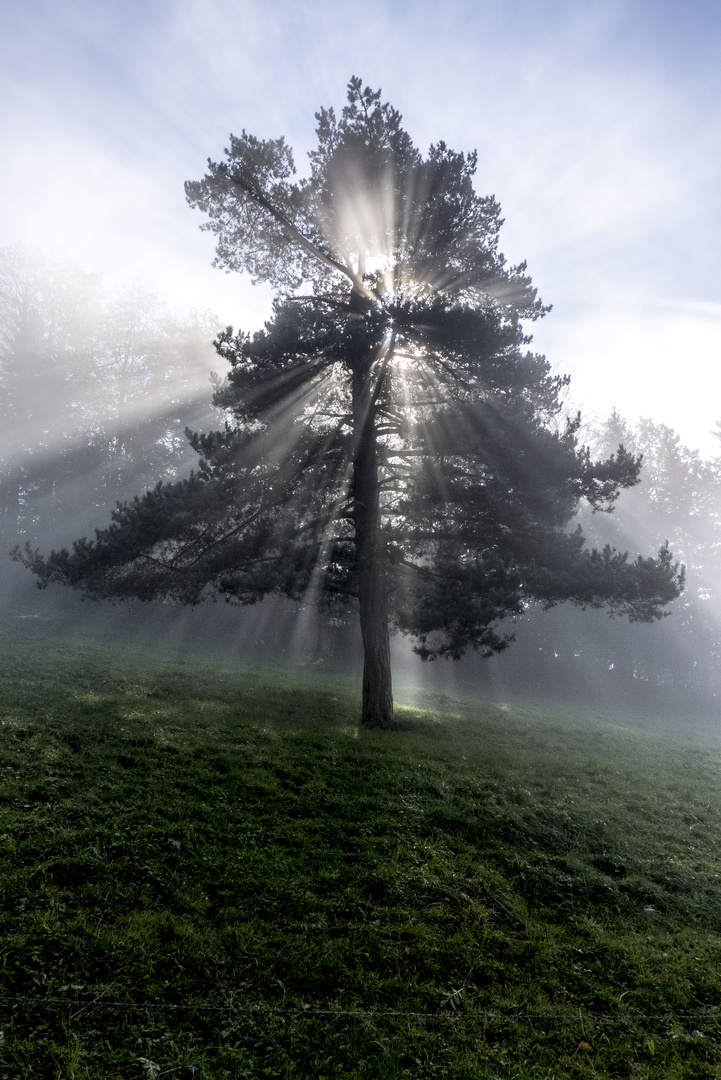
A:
373, 213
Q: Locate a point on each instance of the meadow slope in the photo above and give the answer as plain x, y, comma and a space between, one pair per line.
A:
211, 873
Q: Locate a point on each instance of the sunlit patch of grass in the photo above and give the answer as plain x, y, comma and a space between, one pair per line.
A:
487, 892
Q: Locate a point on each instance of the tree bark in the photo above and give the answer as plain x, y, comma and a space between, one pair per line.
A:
377, 707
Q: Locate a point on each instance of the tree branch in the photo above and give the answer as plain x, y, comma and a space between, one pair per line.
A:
295, 234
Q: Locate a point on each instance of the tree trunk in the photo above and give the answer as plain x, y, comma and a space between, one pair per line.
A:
377, 709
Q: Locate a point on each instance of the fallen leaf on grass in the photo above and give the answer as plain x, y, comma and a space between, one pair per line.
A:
584, 1046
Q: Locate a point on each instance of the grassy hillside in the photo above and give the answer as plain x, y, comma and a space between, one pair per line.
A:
212, 874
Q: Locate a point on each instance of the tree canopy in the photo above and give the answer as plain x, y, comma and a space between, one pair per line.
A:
391, 441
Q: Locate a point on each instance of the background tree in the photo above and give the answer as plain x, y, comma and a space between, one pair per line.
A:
48, 333
678, 498
153, 370
673, 666
96, 390
391, 439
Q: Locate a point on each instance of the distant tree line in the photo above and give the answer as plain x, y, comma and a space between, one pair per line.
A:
96, 390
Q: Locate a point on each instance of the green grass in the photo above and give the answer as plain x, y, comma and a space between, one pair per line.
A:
208, 874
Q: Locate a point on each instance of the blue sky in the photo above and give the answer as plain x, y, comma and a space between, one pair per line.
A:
598, 128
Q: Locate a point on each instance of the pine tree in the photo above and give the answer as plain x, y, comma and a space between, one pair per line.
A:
391, 440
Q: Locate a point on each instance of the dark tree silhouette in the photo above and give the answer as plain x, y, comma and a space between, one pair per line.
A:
391, 441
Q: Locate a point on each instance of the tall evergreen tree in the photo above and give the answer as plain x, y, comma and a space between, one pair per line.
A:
391, 440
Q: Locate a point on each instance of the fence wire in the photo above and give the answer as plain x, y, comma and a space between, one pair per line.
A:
81, 1004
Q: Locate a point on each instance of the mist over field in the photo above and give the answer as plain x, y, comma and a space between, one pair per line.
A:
98, 387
